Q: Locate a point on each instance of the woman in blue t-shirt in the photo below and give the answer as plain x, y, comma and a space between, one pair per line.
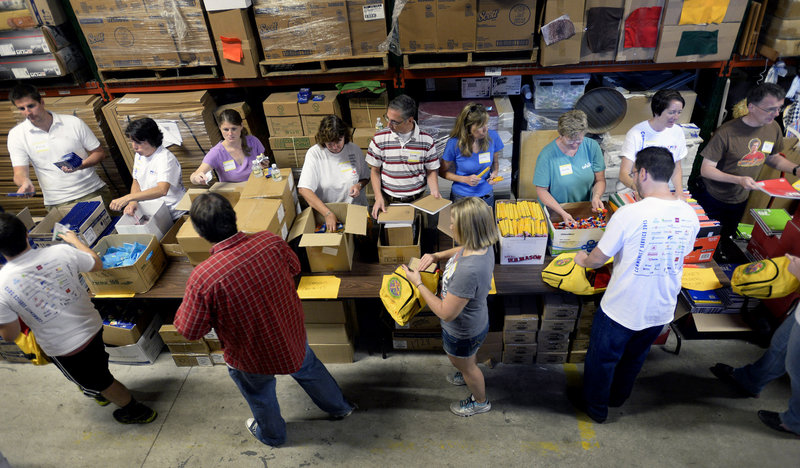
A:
570, 168
470, 157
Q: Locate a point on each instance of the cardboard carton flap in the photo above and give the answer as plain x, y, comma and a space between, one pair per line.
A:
357, 217
431, 205
412, 264
444, 221
397, 214
321, 240
304, 223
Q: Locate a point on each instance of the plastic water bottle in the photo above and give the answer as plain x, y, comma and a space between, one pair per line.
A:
378, 124
526, 92
255, 166
275, 172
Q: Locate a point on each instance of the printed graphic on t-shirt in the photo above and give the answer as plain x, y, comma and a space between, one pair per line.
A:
754, 157
449, 269
45, 293
661, 246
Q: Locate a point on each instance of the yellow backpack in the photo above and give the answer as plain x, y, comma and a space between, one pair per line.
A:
563, 273
27, 343
401, 298
764, 279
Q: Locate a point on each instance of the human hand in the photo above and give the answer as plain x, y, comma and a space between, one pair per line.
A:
198, 178
471, 180
794, 265
597, 205
378, 207
492, 178
27, 188
330, 222
749, 183
426, 261
436, 194
70, 237
118, 204
413, 276
130, 208
580, 258
567, 218
355, 190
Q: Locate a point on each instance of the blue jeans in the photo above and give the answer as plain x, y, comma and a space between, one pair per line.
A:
488, 198
782, 356
259, 391
613, 361
463, 347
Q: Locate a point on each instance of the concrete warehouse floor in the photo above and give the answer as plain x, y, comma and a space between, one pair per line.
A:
679, 415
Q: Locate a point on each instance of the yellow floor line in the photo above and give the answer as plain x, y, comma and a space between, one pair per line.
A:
585, 427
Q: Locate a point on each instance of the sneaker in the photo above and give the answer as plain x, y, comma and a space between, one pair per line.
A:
456, 379
469, 407
139, 414
252, 426
724, 373
339, 417
101, 400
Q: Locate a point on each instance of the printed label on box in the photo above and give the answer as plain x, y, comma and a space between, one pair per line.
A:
330, 251
373, 12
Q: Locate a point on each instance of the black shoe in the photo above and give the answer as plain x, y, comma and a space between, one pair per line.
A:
101, 400
339, 417
773, 420
576, 398
138, 414
724, 373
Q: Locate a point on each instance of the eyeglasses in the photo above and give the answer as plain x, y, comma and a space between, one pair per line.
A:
771, 110
395, 122
573, 142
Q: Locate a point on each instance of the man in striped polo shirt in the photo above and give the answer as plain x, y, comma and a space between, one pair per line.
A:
402, 158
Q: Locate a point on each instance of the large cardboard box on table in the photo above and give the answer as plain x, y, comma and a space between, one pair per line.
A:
571, 240
88, 232
566, 51
521, 250
330, 251
170, 241
136, 278
193, 246
235, 25
364, 112
367, 20
505, 25
144, 351
399, 248
268, 188
261, 214
158, 222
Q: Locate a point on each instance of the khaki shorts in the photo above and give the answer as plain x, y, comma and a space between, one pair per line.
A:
103, 192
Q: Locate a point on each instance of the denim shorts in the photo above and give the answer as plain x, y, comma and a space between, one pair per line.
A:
463, 347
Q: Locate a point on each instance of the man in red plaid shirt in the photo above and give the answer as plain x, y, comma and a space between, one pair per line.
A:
246, 292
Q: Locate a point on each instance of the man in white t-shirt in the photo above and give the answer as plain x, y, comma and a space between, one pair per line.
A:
648, 240
42, 287
45, 139
661, 130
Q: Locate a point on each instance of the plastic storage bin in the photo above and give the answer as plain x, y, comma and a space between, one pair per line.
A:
558, 91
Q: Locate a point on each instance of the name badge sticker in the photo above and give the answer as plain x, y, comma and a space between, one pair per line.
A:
40, 147
565, 169
767, 146
229, 165
484, 158
414, 156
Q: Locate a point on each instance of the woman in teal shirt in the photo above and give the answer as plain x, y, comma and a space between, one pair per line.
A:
571, 168
470, 157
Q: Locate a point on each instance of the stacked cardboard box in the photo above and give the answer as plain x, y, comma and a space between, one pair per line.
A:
330, 326
583, 330
41, 52
235, 39
144, 351
185, 352
365, 114
559, 312
119, 33
437, 25
783, 32
190, 115
520, 329
399, 235
367, 19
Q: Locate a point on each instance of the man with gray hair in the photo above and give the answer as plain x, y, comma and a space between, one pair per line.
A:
402, 158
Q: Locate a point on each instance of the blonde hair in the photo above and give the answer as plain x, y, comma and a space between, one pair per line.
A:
571, 123
471, 114
473, 223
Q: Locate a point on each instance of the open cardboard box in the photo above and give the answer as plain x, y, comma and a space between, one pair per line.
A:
571, 240
397, 223
397, 252
158, 224
136, 278
230, 190
88, 232
521, 250
282, 190
330, 251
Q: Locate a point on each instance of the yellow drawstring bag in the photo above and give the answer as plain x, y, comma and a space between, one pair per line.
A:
563, 273
401, 298
27, 343
764, 279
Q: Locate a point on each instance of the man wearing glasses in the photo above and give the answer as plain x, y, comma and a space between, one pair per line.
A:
402, 158
734, 156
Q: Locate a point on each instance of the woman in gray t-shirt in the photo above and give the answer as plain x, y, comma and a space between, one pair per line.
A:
462, 307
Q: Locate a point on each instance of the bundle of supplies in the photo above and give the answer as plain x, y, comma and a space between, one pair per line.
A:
521, 219
122, 256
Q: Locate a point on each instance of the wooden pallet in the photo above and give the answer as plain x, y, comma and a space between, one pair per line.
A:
122, 75
418, 60
317, 65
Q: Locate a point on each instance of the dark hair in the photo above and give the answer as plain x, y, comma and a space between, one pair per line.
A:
145, 129
331, 129
232, 117
757, 94
661, 99
657, 161
13, 235
213, 217
405, 105
21, 91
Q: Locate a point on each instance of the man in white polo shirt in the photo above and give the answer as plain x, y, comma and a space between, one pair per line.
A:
43, 140
402, 158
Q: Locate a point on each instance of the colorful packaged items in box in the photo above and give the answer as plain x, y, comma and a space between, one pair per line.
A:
323, 228
122, 256
79, 214
598, 221
521, 219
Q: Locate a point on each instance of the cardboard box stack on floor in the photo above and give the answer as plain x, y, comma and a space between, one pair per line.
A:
139, 34
331, 327
188, 118
783, 30
520, 328
559, 312
583, 330
364, 114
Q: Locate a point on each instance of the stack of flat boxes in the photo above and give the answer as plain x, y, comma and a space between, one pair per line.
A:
292, 126
559, 312
186, 353
583, 328
520, 330
364, 115
330, 326
422, 332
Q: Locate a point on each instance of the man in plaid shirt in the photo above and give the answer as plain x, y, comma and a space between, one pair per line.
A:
246, 292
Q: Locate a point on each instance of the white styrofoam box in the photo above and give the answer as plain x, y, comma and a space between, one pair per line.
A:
217, 5
144, 351
159, 223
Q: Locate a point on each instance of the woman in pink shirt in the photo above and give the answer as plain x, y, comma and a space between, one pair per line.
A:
232, 157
